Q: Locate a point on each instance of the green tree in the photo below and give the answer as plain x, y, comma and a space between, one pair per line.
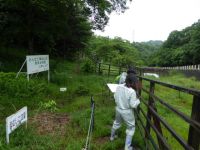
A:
61, 27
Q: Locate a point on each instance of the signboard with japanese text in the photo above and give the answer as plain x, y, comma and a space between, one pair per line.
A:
37, 63
15, 120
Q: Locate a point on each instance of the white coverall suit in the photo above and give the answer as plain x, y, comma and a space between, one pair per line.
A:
126, 100
122, 78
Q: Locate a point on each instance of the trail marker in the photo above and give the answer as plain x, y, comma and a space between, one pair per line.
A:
15, 120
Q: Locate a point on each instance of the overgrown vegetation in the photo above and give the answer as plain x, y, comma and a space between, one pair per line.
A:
181, 48
43, 99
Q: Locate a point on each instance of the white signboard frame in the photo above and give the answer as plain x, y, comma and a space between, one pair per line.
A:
37, 63
15, 120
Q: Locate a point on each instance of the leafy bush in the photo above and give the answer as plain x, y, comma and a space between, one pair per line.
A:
20, 87
50, 105
88, 66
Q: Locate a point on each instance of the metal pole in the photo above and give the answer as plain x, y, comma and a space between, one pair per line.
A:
21, 68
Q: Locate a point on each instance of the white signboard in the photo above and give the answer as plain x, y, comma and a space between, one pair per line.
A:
37, 63
63, 89
112, 87
15, 120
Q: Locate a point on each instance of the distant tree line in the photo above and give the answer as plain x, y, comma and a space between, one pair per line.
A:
181, 48
114, 51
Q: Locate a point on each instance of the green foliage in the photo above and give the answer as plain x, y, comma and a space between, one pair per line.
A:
101, 9
115, 51
147, 50
77, 105
20, 87
82, 90
50, 105
181, 48
88, 66
59, 27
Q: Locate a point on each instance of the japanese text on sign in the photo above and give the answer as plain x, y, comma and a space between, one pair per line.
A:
15, 120
37, 63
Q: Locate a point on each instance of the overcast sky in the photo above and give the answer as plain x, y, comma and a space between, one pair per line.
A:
152, 19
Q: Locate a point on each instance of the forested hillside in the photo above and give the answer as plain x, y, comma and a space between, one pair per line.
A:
60, 28
147, 49
181, 48
115, 51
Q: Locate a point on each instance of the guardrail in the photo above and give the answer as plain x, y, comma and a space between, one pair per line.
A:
193, 142
188, 67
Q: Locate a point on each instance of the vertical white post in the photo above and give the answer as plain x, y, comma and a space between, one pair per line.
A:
27, 76
7, 138
21, 68
7, 134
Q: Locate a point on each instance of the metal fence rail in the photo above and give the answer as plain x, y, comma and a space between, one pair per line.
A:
153, 119
193, 141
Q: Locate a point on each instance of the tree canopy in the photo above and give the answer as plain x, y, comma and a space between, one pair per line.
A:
115, 51
180, 48
59, 27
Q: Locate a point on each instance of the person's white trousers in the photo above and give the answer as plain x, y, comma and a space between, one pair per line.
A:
128, 117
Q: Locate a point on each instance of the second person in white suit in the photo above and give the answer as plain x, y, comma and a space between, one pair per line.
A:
126, 100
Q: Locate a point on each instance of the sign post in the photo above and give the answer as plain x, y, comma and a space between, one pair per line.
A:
15, 120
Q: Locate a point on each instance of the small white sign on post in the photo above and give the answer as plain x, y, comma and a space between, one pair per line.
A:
15, 120
63, 89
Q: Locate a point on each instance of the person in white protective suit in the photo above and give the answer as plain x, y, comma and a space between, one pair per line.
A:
122, 78
126, 99
123, 75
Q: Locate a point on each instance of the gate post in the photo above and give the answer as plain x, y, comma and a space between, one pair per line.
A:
194, 136
151, 103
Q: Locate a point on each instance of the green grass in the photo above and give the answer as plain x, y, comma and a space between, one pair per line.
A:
75, 102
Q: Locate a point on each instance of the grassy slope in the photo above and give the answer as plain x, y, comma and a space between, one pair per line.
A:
75, 103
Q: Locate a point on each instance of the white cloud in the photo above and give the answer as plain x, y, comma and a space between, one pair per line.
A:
152, 19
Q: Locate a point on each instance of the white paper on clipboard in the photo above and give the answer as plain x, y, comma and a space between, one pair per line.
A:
112, 87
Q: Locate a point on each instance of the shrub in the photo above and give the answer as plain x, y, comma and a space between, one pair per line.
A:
88, 66
50, 105
20, 87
